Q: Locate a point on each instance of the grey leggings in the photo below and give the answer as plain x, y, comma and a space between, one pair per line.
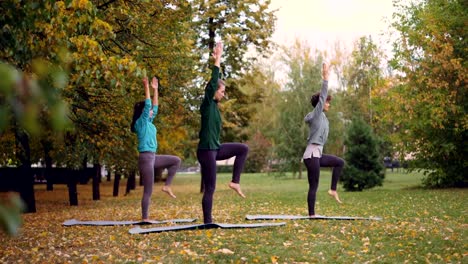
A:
147, 162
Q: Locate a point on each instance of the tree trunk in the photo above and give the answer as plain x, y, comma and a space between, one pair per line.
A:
211, 34
26, 188
131, 182
47, 146
72, 190
26, 182
96, 181
116, 184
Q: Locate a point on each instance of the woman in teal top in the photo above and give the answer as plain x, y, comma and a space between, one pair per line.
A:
209, 148
142, 124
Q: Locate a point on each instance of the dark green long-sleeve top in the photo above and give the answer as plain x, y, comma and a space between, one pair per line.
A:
210, 116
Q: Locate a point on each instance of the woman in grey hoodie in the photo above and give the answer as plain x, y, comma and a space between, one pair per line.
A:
318, 134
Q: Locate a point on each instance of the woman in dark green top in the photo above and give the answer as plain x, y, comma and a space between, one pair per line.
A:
209, 148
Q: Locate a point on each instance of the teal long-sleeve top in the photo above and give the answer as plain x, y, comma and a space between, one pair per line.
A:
146, 130
317, 120
210, 116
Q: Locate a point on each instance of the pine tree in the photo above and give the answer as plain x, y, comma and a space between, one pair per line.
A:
364, 168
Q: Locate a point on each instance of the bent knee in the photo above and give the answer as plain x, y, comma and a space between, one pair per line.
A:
244, 147
178, 161
341, 162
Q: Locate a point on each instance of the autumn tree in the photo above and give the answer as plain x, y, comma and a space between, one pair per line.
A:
33, 71
430, 52
160, 37
66, 34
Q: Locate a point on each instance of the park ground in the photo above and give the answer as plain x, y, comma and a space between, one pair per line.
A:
418, 225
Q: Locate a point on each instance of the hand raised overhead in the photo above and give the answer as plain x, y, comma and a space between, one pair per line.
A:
217, 53
155, 83
325, 71
145, 82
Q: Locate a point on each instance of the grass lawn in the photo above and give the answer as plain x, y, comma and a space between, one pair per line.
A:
418, 226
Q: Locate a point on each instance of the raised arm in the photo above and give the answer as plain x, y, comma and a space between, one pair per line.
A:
325, 72
322, 97
154, 85
217, 53
146, 85
213, 84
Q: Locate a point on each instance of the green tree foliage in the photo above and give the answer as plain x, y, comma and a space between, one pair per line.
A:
363, 73
430, 51
237, 111
239, 24
364, 165
259, 84
338, 123
248, 95
367, 86
245, 27
10, 215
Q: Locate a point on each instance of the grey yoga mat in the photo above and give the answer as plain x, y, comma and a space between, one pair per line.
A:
139, 230
298, 217
72, 222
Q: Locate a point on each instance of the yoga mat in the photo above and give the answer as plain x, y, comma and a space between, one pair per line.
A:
72, 222
318, 217
139, 230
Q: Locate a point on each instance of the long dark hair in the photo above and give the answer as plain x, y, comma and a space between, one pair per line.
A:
137, 110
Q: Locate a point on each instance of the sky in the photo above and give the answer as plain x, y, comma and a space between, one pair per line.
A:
322, 22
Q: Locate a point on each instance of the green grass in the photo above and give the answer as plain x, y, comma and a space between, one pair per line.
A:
418, 226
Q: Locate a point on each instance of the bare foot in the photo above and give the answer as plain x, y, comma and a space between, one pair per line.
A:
168, 190
236, 187
334, 194
145, 220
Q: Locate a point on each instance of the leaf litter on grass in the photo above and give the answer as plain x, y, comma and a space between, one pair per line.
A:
418, 226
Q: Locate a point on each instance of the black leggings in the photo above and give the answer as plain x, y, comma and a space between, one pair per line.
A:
207, 159
313, 172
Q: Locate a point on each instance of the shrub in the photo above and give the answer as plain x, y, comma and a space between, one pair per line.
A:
364, 167
259, 148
